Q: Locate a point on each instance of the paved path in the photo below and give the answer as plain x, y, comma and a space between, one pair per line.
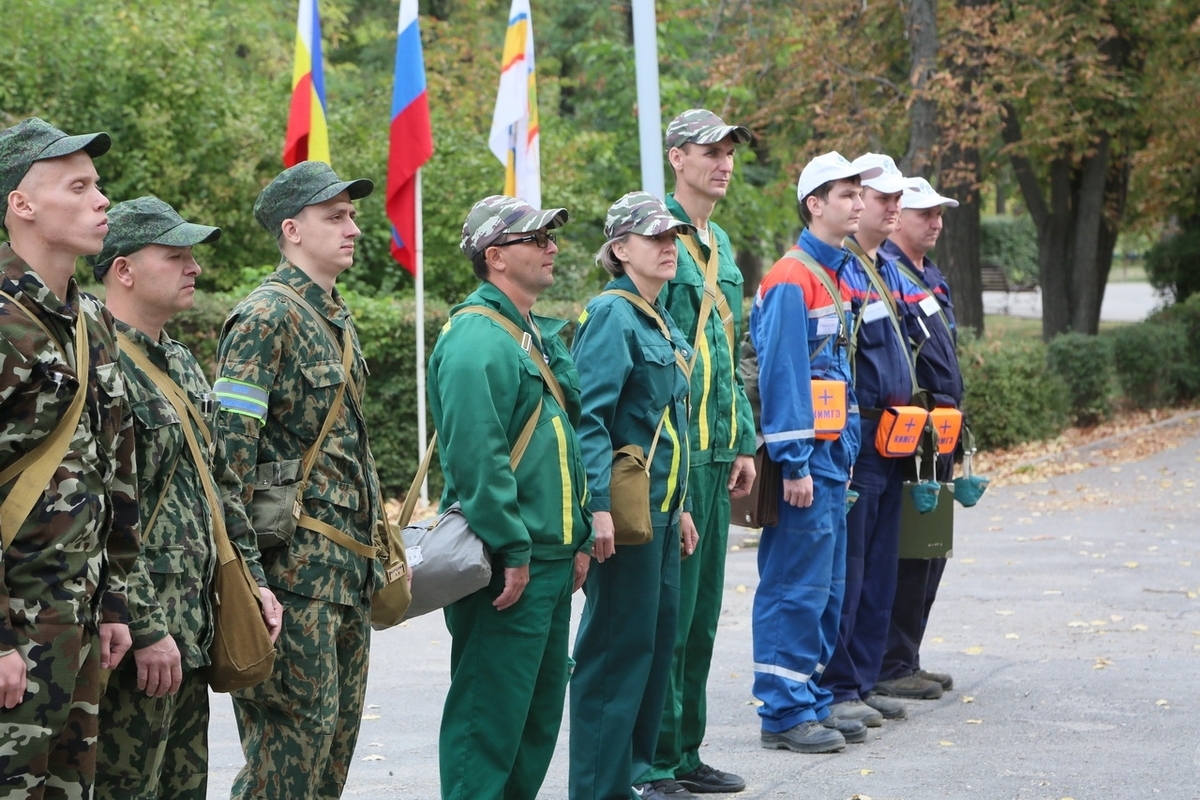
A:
1123, 302
1069, 618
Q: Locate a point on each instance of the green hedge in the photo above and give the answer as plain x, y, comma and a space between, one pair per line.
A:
1012, 395
1158, 362
1085, 364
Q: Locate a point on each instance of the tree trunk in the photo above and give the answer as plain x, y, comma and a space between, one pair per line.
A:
751, 265
958, 250
920, 25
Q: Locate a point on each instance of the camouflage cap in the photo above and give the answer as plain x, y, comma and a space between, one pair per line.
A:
302, 185
35, 139
701, 126
136, 223
494, 216
644, 214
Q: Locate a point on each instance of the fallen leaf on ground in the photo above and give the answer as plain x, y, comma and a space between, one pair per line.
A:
373, 757
945, 743
974, 650
1139, 627
741, 589
866, 772
370, 716
1077, 623
1011, 636
1131, 564
1005, 613
966, 698
1101, 663
1160, 703
974, 722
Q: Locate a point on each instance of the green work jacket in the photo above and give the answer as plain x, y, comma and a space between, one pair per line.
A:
483, 388
628, 374
722, 421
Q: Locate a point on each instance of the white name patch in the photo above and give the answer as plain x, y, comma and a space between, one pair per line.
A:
874, 311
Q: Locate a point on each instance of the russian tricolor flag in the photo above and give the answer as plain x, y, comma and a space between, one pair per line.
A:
411, 141
307, 132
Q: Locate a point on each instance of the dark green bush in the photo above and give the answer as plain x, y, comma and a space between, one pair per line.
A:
1011, 394
1174, 264
1158, 362
1085, 364
1012, 243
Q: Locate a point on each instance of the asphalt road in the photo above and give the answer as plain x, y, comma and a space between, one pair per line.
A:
1123, 302
1069, 618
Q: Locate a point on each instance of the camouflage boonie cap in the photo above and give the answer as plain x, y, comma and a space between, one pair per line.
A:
35, 139
644, 214
136, 223
494, 216
701, 126
305, 184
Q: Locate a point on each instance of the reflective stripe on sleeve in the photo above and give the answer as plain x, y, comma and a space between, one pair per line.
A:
239, 397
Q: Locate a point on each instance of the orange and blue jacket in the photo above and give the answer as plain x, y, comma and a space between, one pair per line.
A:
793, 306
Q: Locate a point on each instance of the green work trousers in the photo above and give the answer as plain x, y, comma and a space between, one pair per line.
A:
702, 581
152, 747
622, 664
508, 677
299, 726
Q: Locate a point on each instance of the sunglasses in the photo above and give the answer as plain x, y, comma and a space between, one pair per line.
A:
541, 238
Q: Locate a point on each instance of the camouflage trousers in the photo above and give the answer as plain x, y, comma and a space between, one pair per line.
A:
152, 748
299, 726
48, 742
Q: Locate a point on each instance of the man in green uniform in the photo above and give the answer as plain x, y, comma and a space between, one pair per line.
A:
154, 714
705, 300
281, 374
494, 369
63, 614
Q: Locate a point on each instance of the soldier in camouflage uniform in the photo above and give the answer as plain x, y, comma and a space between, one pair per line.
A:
280, 369
154, 714
720, 432
508, 665
63, 614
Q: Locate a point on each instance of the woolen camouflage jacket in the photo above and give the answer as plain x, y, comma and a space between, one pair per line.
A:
173, 594
271, 345
56, 571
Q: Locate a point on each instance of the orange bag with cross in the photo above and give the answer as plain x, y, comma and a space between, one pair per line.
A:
829, 408
947, 424
899, 431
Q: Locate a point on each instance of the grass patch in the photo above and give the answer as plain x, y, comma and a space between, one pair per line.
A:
1000, 326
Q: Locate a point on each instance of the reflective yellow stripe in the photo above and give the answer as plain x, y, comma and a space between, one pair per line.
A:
733, 409
673, 475
568, 519
702, 409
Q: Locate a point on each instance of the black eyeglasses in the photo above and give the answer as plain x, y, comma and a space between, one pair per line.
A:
541, 238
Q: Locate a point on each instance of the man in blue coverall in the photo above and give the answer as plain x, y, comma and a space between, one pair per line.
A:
933, 329
801, 560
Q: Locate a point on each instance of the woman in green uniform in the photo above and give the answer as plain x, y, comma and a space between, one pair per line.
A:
632, 363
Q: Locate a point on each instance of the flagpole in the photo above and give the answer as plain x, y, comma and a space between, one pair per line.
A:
422, 433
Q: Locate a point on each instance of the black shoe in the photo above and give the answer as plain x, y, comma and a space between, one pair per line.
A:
937, 677
888, 707
707, 780
856, 709
912, 687
661, 790
852, 730
807, 737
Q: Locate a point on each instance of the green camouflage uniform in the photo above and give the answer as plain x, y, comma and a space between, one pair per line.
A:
508, 669
721, 428
56, 581
299, 727
146, 739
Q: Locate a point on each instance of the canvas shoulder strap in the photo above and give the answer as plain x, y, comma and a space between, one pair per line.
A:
525, 342
34, 470
641, 305
346, 349
821, 274
188, 413
712, 297
912, 276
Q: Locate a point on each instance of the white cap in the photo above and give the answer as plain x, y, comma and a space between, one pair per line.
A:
892, 181
925, 196
832, 166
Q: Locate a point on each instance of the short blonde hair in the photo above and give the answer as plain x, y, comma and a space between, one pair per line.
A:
606, 258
